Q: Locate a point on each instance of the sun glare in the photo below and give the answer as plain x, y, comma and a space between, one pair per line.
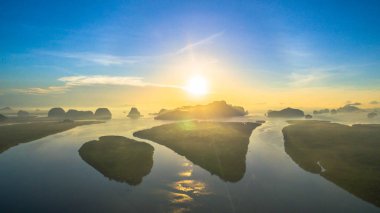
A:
197, 86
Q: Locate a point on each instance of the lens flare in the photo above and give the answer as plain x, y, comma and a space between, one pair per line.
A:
197, 86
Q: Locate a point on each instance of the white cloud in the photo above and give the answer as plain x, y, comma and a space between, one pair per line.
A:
102, 80
109, 59
302, 79
43, 91
200, 42
102, 59
78, 81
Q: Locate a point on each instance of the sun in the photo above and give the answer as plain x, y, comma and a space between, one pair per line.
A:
197, 85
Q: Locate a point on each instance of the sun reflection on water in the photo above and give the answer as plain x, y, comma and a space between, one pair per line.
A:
186, 173
179, 198
191, 186
186, 190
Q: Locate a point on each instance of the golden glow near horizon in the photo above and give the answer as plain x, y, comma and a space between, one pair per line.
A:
197, 86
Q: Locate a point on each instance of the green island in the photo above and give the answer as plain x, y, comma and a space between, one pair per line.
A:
14, 134
119, 158
348, 156
218, 147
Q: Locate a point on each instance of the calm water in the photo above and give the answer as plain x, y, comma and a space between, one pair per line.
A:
49, 175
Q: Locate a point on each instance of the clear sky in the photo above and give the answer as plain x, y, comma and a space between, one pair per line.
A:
255, 53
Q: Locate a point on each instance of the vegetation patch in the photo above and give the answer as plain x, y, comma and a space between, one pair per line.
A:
218, 147
12, 135
349, 156
119, 158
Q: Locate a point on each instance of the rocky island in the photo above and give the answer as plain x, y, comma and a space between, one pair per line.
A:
308, 116
348, 156
119, 158
217, 109
286, 113
103, 114
23, 114
73, 114
322, 111
2, 117
348, 108
134, 113
6, 110
218, 147
371, 115
56, 112
77, 114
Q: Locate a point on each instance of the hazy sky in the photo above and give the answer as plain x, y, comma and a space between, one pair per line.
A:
264, 53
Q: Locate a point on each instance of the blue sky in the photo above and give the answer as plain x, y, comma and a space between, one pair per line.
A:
274, 44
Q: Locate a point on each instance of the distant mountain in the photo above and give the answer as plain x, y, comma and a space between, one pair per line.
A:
216, 109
